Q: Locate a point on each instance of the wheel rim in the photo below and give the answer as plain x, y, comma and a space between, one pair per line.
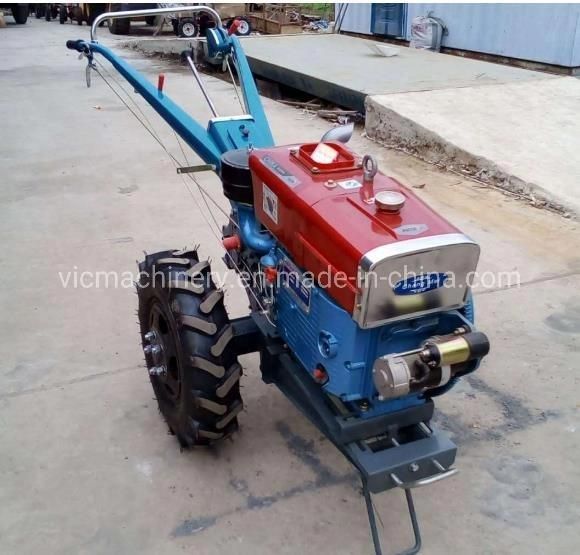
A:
243, 27
188, 29
163, 338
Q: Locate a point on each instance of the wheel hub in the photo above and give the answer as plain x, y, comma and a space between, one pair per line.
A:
188, 29
160, 353
243, 27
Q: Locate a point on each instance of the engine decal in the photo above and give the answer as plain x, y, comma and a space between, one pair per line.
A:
420, 283
411, 229
293, 279
349, 184
283, 173
270, 203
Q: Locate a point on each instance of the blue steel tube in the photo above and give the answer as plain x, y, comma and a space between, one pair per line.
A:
179, 120
195, 135
250, 91
252, 235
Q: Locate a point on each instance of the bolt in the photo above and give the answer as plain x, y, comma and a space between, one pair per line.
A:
413, 467
157, 371
156, 350
147, 350
150, 336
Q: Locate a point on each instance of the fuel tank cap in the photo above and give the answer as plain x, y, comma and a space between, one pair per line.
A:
389, 201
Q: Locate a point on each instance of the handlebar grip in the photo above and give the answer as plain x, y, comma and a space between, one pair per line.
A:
78, 45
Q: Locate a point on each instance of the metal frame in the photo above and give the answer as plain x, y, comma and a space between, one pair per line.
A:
153, 11
222, 134
381, 470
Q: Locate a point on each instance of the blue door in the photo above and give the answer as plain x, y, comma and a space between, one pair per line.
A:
388, 19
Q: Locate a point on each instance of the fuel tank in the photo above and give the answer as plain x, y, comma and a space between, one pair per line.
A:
377, 249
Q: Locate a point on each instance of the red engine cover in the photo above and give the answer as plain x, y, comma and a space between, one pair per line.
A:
328, 227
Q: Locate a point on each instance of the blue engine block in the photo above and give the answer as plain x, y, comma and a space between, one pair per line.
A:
321, 333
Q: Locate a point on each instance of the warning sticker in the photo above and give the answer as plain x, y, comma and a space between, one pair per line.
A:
270, 203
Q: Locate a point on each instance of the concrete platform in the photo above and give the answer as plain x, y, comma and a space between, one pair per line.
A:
523, 136
343, 69
513, 128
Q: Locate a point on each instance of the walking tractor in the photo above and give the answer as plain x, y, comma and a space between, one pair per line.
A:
360, 306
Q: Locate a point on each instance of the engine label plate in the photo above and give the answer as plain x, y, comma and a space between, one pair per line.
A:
411, 229
283, 173
295, 282
420, 283
270, 203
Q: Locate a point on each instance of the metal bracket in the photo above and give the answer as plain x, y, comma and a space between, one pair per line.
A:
407, 486
382, 469
373, 522
199, 168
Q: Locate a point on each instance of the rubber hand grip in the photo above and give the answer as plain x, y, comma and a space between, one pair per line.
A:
78, 45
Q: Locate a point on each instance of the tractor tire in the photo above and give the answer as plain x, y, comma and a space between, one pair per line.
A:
62, 14
120, 26
20, 13
186, 336
186, 28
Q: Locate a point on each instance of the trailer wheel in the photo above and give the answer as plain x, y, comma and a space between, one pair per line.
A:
186, 336
20, 13
119, 26
244, 26
186, 28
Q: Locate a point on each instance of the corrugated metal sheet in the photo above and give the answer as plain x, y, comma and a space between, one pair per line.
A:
538, 32
357, 18
548, 33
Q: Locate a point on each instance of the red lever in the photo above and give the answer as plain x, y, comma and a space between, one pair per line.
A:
160, 82
234, 27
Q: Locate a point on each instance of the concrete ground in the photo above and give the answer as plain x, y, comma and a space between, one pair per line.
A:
86, 464
346, 71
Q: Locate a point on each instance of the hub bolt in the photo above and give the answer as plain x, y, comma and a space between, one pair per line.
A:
157, 371
150, 336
